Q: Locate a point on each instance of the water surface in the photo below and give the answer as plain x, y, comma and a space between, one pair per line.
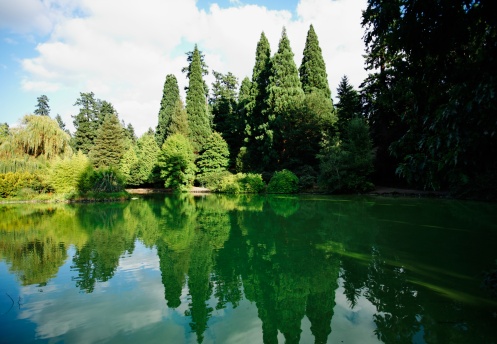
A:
248, 269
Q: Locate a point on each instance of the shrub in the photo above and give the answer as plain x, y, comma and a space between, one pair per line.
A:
176, 161
241, 183
283, 182
212, 180
11, 184
105, 179
65, 174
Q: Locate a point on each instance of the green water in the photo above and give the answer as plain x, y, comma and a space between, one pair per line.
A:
248, 269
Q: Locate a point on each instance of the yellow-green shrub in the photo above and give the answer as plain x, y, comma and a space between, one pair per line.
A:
66, 173
12, 183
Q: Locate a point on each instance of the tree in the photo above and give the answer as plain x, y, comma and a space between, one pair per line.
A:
258, 136
203, 66
312, 71
349, 104
443, 138
148, 153
42, 107
129, 132
285, 102
176, 162
109, 143
61, 124
170, 96
85, 122
215, 156
224, 108
196, 107
179, 120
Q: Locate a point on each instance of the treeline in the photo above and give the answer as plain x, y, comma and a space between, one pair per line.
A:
424, 117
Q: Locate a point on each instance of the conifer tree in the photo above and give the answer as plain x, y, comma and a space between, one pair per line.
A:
109, 143
42, 107
85, 122
285, 103
349, 104
179, 120
196, 107
312, 71
257, 134
170, 95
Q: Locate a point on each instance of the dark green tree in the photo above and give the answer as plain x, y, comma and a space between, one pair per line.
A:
215, 156
42, 107
312, 71
85, 122
431, 93
61, 123
285, 104
170, 95
203, 66
258, 136
349, 104
196, 107
129, 131
224, 109
109, 143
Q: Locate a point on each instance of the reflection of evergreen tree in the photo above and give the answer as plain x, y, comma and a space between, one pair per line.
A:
173, 267
199, 285
395, 300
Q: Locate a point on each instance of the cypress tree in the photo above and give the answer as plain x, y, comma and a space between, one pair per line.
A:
256, 129
196, 107
109, 143
313, 69
170, 95
285, 102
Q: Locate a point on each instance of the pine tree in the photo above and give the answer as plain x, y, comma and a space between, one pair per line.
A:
312, 71
349, 104
285, 102
257, 134
42, 107
196, 107
109, 143
170, 95
85, 122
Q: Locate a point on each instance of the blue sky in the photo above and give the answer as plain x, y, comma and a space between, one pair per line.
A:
122, 50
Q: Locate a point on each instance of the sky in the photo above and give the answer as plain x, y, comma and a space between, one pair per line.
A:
122, 50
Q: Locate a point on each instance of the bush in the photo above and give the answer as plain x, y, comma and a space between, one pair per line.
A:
241, 183
11, 184
212, 180
105, 179
176, 161
65, 174
285, 182
307, 177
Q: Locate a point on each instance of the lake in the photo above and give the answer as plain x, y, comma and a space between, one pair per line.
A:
248, 269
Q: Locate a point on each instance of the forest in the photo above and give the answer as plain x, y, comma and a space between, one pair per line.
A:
423, 118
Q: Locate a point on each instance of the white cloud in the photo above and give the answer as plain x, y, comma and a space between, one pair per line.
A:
122, 51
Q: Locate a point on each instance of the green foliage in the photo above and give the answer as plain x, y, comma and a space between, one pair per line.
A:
196, 107
285, 182
176, 162
42, 107
213, 180
101, 180
170, 96
312, 71
65, 174
109, 143
349, 104
24, 164
37, 136
346, 165
129, 165
258, 136
148, 153
241, 183
179, 120
85, 122
16, 183
215, 156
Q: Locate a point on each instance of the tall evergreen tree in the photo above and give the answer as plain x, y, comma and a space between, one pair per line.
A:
179, 120
42, 107
109, 143
258, 137
85, 122
203, 65
349, 104
196, 107
170, 95
312, 71
61, 124
285, 102
224, 108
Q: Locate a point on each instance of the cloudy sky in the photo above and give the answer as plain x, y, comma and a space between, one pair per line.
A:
122, 50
